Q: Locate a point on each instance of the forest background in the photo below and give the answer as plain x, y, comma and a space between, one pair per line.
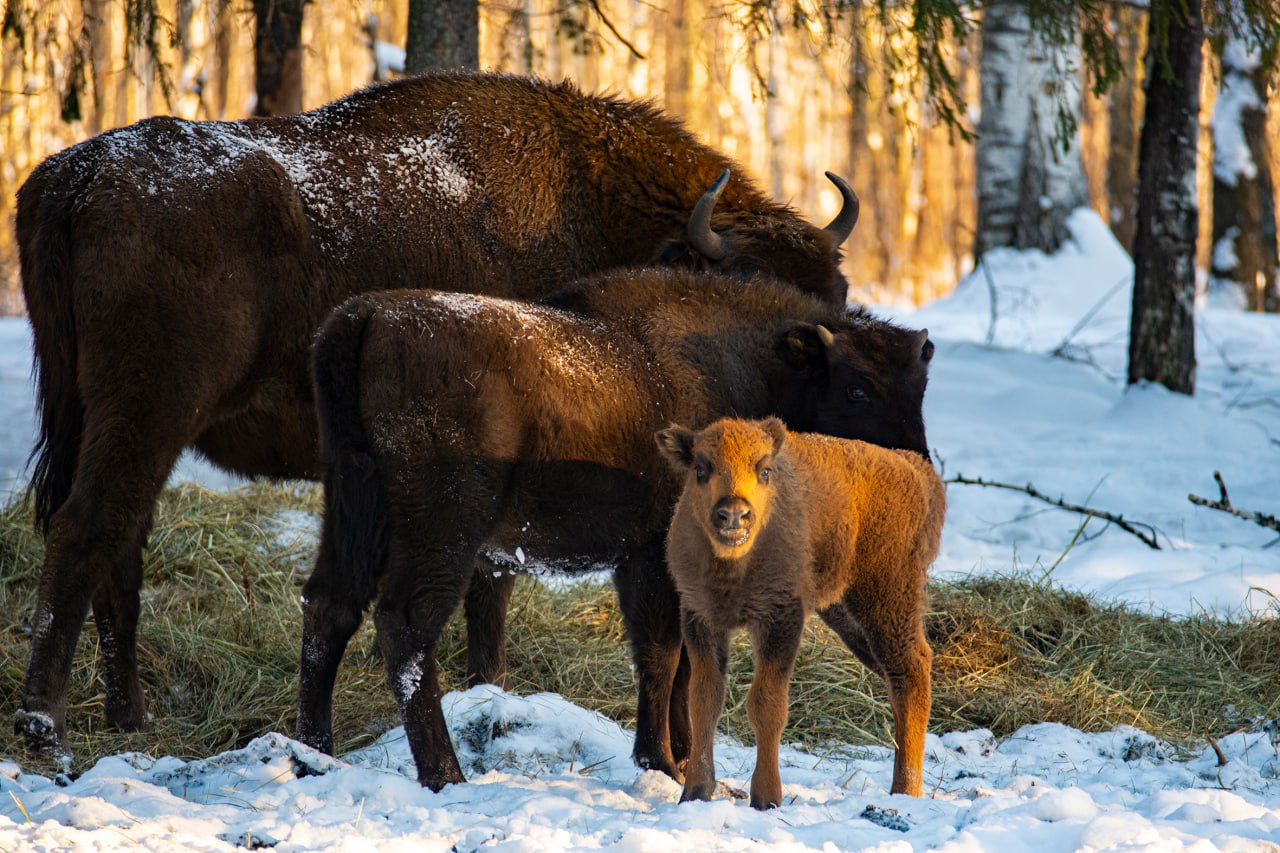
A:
787, 93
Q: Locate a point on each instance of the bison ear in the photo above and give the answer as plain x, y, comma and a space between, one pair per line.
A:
676, 443
803, 345
777, 431
924, 346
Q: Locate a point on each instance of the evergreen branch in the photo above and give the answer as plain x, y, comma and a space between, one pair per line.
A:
1149, 539
1223, 504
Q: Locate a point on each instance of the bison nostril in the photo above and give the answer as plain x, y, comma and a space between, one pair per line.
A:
732, 517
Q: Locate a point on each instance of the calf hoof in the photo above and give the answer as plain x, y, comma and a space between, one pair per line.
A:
40, 734
766, 796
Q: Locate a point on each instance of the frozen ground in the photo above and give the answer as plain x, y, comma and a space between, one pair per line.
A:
1039, 399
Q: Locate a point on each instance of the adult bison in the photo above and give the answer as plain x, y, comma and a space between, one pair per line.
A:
175, 272
454, 425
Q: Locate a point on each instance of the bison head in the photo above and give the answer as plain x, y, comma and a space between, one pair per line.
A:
729, 478
772, 242
861, 378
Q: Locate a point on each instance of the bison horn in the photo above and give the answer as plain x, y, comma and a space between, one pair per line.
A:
842, 226
701, 237
824, 335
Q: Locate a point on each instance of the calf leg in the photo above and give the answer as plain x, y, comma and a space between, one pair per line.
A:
840, 620
651, 610
678, 716
775, 644
486, 611
896, 640
708, 651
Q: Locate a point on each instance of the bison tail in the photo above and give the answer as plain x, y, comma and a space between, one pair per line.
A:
354, 534
44, 252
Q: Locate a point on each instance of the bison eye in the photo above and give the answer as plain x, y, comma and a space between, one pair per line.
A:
764, 474
856, 394
702, 472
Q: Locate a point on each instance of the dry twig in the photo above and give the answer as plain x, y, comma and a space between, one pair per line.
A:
1149, 539
1224, 504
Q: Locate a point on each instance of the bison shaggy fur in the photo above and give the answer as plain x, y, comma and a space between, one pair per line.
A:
455, 425
175, 272
772, 526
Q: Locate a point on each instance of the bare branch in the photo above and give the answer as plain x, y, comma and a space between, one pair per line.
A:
595, 7
1148, 539
1224, 504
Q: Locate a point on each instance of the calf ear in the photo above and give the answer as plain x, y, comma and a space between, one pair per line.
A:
802, 345
676, 443
777, 431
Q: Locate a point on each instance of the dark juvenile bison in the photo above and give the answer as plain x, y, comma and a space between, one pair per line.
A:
176, 271
771, 527
454, 425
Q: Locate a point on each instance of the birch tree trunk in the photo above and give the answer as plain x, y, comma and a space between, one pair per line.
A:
277, 55
1162, 326
442, 34
1027, 183
1244, 222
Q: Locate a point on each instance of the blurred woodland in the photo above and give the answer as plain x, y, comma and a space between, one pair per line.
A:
788, 100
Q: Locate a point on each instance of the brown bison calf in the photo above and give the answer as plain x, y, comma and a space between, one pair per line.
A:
771, 527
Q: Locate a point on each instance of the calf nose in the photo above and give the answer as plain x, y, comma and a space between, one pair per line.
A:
732, 514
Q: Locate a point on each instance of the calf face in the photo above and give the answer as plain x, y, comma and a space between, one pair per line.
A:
729, 478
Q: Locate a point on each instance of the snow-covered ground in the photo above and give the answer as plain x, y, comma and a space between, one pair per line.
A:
1036, 398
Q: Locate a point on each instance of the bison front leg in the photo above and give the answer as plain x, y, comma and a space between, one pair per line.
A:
708, 651
651, 611
775, 644
486, 610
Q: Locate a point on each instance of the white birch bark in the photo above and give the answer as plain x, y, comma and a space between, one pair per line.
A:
1027, 183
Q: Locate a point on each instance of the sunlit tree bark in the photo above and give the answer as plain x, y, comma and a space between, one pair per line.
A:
1244, 222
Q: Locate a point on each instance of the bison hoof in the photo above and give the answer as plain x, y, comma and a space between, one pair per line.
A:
698, 792
437, 781
662, 765
40, 735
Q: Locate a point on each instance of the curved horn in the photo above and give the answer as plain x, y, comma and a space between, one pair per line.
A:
824, 335
701, 237
842, 226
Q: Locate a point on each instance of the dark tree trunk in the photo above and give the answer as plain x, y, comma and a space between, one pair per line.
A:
442, 34
277, 56
1162, 328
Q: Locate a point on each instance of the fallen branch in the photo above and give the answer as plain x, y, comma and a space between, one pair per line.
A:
1149, 539
1223, 504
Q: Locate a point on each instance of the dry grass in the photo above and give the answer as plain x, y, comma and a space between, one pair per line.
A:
221, 626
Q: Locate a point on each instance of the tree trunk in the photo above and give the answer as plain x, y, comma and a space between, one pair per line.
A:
677, 50
277, 55
1027, 183
442, 34
1162, 327
1126, 117
1244, 223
